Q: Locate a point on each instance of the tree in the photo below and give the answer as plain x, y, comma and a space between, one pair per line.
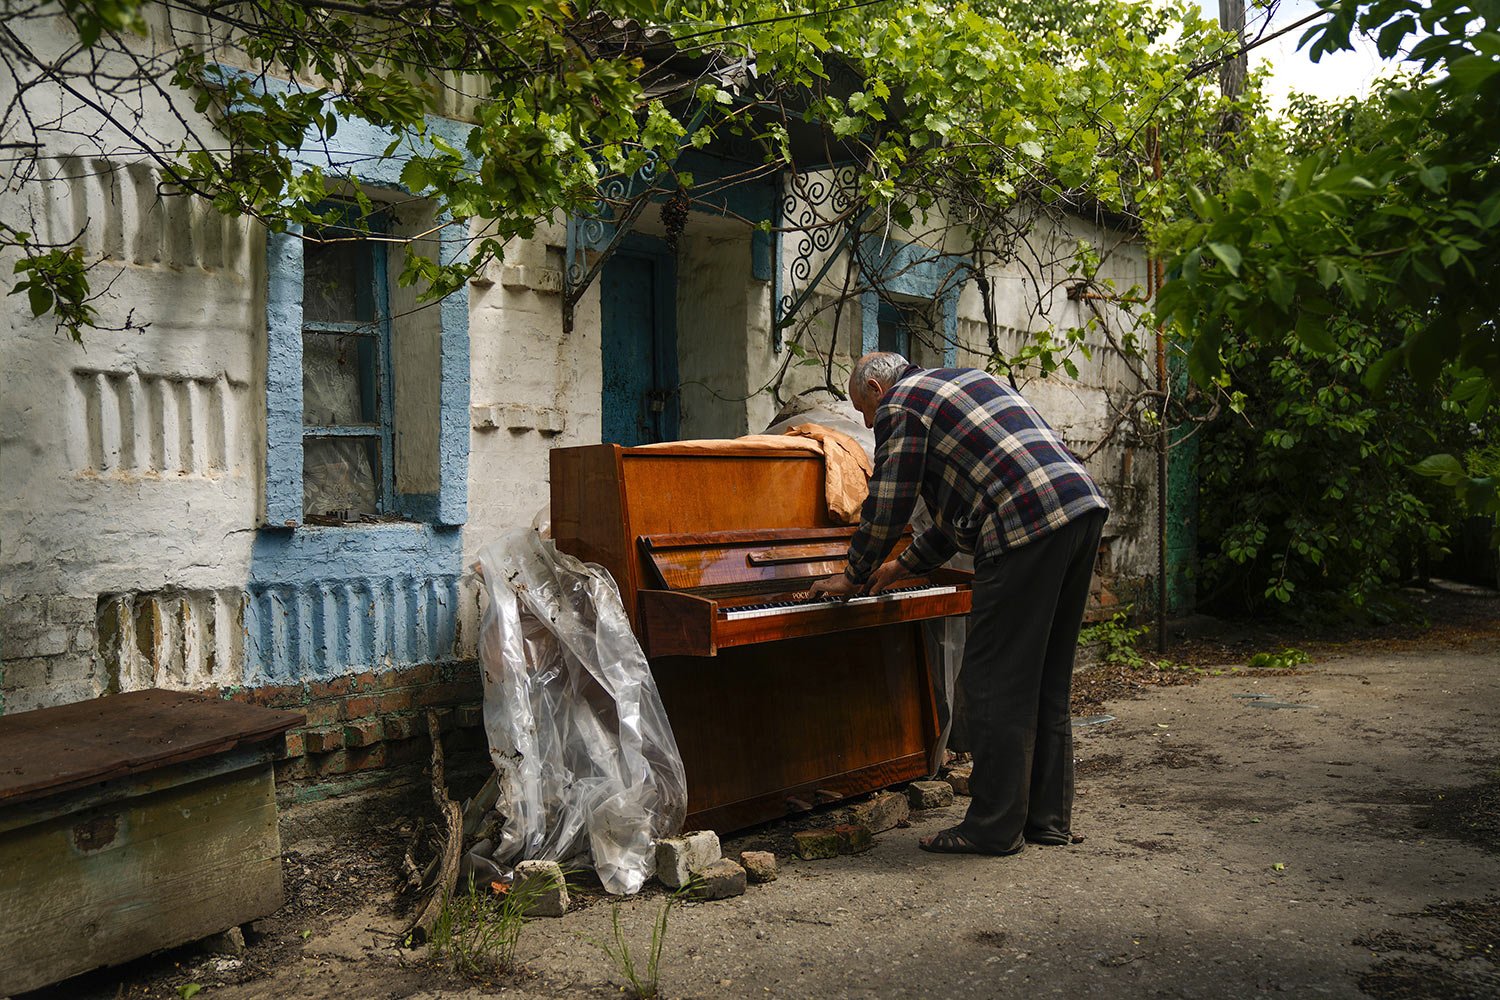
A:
553, 94
1397, 232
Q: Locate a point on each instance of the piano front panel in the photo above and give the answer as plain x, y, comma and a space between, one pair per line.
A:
770, 729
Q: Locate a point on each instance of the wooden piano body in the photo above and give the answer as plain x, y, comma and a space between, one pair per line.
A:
776, 706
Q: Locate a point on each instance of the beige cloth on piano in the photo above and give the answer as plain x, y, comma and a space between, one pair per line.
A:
846, 467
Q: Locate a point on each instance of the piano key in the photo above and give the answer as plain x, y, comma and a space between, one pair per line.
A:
817, 603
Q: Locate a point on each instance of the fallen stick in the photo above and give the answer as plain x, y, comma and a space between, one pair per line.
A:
452, 849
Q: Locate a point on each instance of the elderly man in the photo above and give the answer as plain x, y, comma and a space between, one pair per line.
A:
1001, 484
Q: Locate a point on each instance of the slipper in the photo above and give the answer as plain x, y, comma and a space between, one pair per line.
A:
950, 841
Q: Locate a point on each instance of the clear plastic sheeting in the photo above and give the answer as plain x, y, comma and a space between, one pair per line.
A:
585, 757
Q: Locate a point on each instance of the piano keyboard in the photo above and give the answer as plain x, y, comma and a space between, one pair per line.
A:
814, 603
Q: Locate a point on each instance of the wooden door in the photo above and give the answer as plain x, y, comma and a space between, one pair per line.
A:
638, 317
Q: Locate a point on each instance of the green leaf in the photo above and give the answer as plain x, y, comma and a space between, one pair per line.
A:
1313, 332
1445, 468
41, 298
1229, 255
1328, 272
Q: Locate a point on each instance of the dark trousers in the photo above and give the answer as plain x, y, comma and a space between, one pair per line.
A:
1016, 679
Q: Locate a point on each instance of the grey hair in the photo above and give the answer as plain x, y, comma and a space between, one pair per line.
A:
882, 366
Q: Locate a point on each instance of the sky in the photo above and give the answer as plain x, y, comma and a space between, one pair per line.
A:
1341, 74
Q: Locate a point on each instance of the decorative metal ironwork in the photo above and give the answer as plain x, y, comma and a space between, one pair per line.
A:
621, 200
823, 211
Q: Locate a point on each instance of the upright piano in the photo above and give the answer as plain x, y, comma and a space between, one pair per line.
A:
778, 702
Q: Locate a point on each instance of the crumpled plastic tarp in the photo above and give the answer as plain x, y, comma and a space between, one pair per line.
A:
585, 756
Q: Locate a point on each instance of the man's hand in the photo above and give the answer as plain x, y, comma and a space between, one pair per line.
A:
837, 585
887, 576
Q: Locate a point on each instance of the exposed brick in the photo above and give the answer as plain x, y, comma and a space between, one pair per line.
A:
23, 674
721, 880
363, 758
854, 839
403, 727
444, 718
469, 716
362, 733
71, 610
407, 752
83, 639
450, 693
334, 688
389, 680
678, 859
51, 640
323, 765
323, 740
359, 706
929, 794
460, 740
365, 681
292, 769
542, 885
324, 713
292, 744
813, 845
395, 701
760, 866
884, 811
22, 611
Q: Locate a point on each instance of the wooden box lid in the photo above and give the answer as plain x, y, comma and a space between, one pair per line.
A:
52, 750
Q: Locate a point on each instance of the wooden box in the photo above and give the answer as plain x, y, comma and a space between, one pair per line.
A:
132, 823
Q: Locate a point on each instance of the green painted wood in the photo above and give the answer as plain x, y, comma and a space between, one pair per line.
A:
112, 882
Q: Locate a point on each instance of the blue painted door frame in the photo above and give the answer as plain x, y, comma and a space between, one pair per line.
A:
638, 343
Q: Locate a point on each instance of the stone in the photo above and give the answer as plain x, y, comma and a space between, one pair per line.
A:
24, 674
929, 794
71, 610
884, 811
813, 845
21, 611
544, 884
230, 942
678, 859
853, 838
760, 866
720, 880
958, 778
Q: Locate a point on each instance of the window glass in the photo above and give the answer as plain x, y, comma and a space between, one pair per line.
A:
337, 273
340, 383
897, 322
340, 477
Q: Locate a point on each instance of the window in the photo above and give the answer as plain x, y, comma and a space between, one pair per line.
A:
900, 325
347, 439
366, 387
914, 312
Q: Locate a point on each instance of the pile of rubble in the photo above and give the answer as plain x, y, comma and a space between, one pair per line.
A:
695, 866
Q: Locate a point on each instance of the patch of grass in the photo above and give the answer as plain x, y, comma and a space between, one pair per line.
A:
1284, 660
643, 983
478, 930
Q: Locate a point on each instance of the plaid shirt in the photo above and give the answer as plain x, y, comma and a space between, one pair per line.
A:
994, 475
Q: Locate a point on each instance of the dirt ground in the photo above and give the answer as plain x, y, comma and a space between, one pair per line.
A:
1328, 830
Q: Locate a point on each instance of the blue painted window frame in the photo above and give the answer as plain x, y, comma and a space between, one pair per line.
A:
915, 272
